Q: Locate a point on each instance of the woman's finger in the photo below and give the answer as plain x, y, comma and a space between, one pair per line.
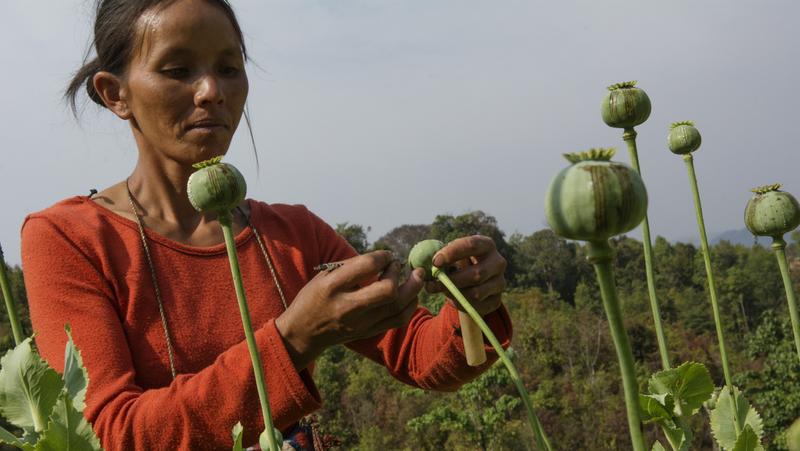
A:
476, 274
357, 270
412, 286
464, 248
383, 291
404, 294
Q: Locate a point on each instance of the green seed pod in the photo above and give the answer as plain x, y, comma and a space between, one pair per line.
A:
683, 138
421, 256
771, 212
595, 198
216, 187
625, 106
263, 439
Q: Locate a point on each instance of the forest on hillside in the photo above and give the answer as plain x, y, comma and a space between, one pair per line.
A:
562, 346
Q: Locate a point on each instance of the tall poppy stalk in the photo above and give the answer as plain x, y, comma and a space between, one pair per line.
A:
218, 187
684, 139
626, 106
593, 200
16, 327
774, 213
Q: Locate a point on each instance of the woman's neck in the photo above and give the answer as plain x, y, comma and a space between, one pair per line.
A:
160, 189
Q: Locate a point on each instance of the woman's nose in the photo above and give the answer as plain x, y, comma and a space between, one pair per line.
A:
209, 90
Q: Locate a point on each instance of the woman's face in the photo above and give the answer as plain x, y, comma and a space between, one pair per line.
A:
185, 87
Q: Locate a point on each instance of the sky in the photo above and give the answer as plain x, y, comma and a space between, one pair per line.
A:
388, 112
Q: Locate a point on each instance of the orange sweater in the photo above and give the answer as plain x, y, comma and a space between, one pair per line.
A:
85, 266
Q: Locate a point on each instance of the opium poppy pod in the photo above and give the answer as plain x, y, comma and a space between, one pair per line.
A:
216, 187
625, 105
683, 138
595, 198
421, 256
771, 212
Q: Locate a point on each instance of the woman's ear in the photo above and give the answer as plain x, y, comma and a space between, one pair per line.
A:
111, 90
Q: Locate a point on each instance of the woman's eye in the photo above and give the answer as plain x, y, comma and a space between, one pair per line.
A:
176, 72
229, 70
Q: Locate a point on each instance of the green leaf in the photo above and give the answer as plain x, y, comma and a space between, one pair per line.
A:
690, 386
68, 430
76, 379
10, 439
722, 424
747, 440
237, 432
657, 446
678, 438
656, 408
28, 388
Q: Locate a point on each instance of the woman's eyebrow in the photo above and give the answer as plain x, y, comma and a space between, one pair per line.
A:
174, 52
231, 51
180, 52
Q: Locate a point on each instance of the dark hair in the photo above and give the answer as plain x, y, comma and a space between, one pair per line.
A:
114, 33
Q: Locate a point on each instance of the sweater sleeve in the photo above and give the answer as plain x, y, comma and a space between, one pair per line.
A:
428, 352
196, 411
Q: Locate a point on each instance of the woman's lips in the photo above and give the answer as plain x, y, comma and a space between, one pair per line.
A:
207, 127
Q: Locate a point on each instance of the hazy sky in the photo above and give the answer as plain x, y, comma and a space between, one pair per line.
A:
384, 113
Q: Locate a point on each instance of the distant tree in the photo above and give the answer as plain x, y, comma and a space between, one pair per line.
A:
724, 255
675, 263
793, 240
355, 234
401, 239
629, 263
448, 227
546, 261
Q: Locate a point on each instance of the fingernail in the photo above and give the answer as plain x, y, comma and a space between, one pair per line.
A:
419, 273
437, 260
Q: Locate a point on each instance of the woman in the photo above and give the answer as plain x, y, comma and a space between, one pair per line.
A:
142, 277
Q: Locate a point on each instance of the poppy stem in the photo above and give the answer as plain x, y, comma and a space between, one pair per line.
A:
778, 245
600, 256
16, 327
629, 136
225, 221
712, 285
541, 439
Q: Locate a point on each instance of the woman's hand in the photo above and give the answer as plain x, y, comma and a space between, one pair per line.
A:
478, 271
334, 307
